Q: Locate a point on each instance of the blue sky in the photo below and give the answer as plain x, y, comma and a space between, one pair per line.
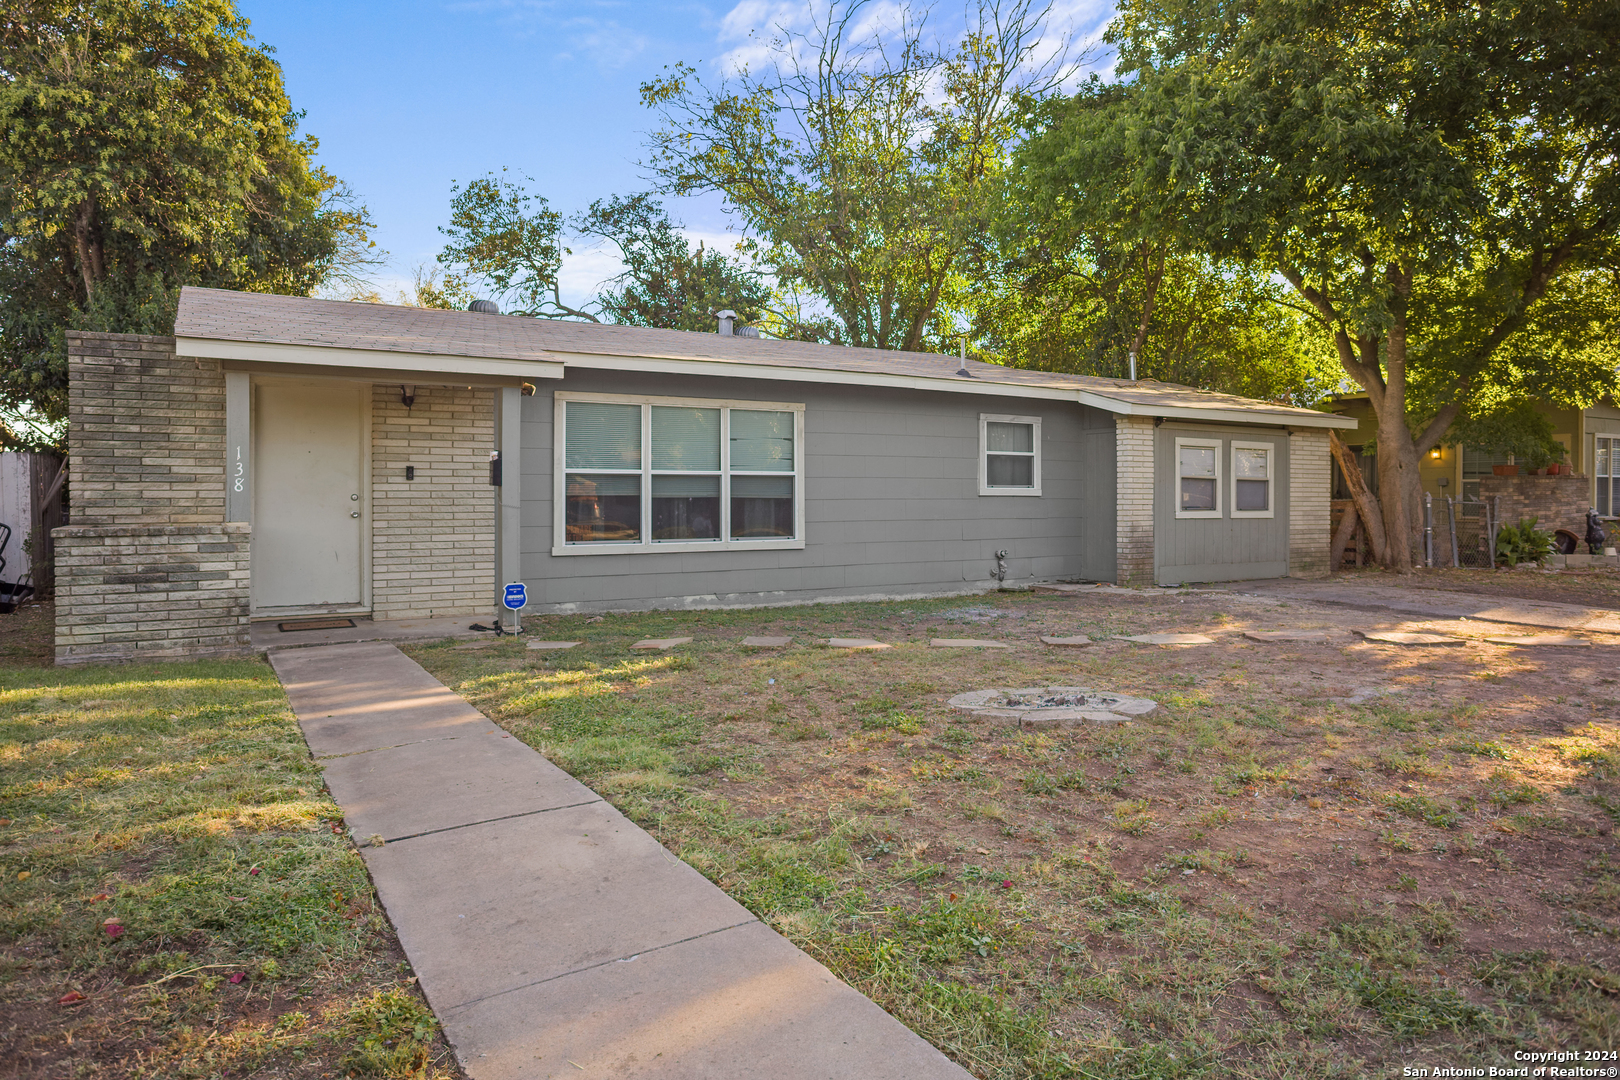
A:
409, 95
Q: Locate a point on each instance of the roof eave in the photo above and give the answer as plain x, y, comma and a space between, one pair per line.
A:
340, 357
1287, 418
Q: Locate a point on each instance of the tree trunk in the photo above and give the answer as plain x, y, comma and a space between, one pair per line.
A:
1367, 507
1341, 539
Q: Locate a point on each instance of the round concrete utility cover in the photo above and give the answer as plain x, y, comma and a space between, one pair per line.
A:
1046, 706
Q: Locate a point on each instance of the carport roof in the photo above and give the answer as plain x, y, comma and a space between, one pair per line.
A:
293, 329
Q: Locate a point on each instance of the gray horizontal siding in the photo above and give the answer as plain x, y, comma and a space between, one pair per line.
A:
1224, 548
891, 502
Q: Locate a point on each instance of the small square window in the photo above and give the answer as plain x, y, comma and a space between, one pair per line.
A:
1009, 455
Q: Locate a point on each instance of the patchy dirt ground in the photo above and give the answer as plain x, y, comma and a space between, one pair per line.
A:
1593, 587
1315, 860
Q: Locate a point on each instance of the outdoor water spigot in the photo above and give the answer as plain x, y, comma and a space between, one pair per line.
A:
1001, 565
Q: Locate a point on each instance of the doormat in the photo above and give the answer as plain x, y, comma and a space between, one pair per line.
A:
315, 624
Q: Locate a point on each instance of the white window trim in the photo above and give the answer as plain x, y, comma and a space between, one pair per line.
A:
985, 420
1271, 479
559, 477
1175, 490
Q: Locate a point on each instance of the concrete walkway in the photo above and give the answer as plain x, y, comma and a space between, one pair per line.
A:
553, 937
1440, 604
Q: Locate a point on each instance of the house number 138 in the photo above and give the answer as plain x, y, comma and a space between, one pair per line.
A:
240, 471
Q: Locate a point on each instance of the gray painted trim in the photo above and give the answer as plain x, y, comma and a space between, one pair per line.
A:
509, 496
343, 358
238, 447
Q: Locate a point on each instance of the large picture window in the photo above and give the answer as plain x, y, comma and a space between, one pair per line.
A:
1009, 455
1198, 476
660, 474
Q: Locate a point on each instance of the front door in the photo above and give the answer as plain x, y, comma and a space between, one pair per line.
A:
307, 497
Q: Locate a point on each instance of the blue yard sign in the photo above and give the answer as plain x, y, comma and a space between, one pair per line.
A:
516, 596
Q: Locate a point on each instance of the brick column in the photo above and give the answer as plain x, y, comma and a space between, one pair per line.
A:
1133, 488
1310, 513
148, 569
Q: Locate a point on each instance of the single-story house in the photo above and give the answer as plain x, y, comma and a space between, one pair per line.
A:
282, 457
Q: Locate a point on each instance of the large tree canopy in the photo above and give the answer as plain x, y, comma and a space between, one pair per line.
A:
1437, 183
145, 145
862, 161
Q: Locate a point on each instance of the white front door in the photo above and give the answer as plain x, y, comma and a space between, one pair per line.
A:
307, 496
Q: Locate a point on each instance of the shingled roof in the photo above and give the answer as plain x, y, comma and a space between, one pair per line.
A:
218, 315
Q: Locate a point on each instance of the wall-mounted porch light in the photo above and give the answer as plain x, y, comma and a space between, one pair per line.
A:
1435, 454
407, 396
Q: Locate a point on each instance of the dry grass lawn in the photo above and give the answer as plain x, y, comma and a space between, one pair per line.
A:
1315, 861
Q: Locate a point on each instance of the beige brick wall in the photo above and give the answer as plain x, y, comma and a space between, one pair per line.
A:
432, 538
1310, 481
147, 569
1134, 499
146, 432
150, 592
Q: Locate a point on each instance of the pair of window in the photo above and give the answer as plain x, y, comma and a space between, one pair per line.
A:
658, 472
1606, 474
1199, 466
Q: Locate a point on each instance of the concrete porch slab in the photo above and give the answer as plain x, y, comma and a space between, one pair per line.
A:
740, 1003
493, 907
353, 698
265, 636
480, 776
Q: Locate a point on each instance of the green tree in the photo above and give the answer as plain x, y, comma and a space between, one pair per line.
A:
666, 282
145, 146
506, 243
863, 165
1437, 183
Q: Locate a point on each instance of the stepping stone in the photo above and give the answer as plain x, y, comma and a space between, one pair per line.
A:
766, 642
1171, 639
1562, 640
1066, 642
471, 647
1404, 637
551, 646
1290, 635
965, 643
660, 643
856, 643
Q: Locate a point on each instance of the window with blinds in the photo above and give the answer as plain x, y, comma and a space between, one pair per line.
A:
1009, 455
657, 472
1198, 474
1252, 479
1606, 477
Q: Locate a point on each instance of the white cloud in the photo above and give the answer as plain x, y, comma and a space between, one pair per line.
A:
585, 31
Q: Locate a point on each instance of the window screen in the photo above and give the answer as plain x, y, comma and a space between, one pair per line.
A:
1198, 479
1009, 460
674, 490
1251, 471
761, 441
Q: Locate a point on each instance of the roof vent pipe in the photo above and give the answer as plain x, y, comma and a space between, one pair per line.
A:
963, 371
485, 307
727, 318
1133, 365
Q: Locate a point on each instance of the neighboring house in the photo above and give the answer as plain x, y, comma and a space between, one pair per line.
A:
1591, 437
286, 457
